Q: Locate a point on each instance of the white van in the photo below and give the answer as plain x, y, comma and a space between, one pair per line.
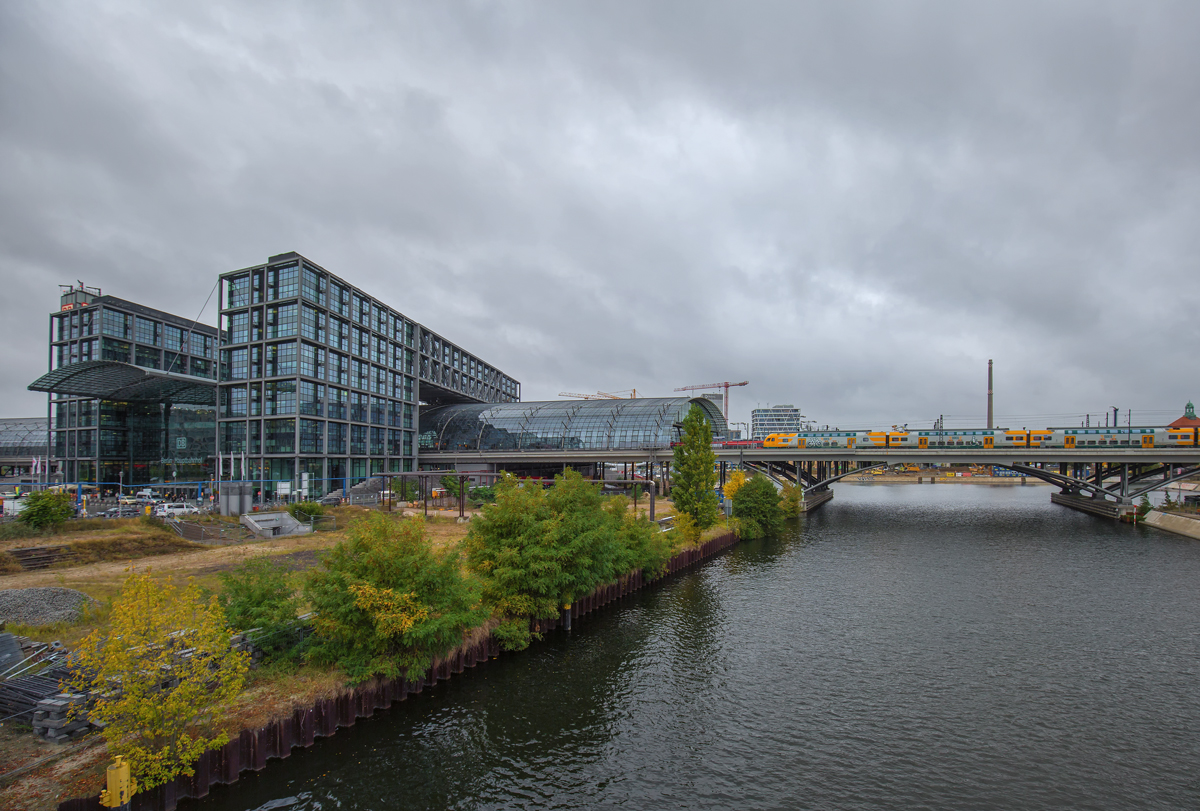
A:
175, 509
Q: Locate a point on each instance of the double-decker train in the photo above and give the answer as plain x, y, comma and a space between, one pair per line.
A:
987, 438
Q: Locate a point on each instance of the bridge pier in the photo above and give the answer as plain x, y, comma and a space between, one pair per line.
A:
1096, 506
815, 499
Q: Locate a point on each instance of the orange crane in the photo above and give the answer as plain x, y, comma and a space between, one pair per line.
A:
616, 394
724, 400
597, 396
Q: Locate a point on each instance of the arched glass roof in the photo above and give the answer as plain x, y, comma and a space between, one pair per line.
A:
22, 437
648, 422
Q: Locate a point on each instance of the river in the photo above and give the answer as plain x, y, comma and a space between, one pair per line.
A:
906, 646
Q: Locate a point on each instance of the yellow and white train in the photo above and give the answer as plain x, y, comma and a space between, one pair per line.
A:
987, 438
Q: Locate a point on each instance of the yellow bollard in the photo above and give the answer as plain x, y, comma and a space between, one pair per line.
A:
121, 785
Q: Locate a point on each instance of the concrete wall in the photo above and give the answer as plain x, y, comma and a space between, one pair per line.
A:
1179, 524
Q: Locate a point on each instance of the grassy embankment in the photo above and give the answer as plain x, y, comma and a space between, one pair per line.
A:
106, 551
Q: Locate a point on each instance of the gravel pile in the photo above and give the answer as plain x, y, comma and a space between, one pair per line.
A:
42, 606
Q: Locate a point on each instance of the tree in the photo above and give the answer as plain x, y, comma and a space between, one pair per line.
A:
693, 476
537, 550
451, 483
791, 500
756, 506
734, 483
160, 677
258, 595
44, 508
387, 603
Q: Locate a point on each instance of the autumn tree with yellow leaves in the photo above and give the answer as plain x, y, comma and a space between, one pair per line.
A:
160, 676
387, 603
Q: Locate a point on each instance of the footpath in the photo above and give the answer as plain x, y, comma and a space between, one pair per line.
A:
1186, 525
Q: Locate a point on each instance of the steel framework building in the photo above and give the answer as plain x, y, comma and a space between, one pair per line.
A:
320, 382
775, 420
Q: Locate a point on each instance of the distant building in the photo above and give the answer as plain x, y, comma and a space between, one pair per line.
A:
774, 420
1188, 420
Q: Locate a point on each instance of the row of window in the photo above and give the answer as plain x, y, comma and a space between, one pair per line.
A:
117, 324
313, 436
280, 360
284, 397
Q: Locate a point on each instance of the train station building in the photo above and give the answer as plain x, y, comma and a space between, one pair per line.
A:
307, 385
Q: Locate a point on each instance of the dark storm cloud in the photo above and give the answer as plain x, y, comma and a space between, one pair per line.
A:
851, 205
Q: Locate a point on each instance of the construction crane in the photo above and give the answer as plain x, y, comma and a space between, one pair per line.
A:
597, 396
616, 395
724, 400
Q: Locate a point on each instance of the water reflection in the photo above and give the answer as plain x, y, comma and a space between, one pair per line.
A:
944, 646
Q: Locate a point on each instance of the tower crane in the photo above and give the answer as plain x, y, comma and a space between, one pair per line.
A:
724, 400
597, 396
616, 395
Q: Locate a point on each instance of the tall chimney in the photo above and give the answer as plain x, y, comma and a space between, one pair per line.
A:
989, 425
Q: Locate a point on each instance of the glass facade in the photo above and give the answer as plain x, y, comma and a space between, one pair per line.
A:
652, 422
132, 443
318, 377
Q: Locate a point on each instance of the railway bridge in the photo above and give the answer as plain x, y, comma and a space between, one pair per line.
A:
1103, 481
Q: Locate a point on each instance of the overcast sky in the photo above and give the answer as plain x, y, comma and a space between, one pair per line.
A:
851, 205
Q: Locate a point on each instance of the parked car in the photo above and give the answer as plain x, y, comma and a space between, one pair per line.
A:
124, 511
175, 509
329, 501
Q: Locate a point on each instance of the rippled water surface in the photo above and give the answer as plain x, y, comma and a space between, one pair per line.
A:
907, 646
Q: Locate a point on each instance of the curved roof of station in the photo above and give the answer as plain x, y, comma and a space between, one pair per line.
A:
113, 380
648, 422
22, 437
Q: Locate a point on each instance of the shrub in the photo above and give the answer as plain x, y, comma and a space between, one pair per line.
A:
387, 603
161, 727
484, 495
258, 594
310, 509
44, 509
756, 505
537, 550
791, 500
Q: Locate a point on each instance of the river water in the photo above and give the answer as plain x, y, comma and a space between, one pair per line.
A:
907, 646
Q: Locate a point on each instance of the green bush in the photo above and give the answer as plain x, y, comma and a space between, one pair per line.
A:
258, 594
483, 495
537, 550
44, 509
387, 603
311, 509
756, 505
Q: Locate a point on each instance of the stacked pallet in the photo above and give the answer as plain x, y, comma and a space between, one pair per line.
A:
54, 720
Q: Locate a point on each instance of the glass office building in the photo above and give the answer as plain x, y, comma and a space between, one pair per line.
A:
320, 382
132, 392
780, 419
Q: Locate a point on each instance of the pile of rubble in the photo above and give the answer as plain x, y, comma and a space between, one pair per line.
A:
62, 718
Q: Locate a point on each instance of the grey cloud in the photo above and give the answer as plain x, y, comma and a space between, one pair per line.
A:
852, 205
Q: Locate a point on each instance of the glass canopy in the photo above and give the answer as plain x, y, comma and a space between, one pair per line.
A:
650, 422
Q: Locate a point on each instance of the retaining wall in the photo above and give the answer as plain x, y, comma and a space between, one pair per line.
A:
251, 750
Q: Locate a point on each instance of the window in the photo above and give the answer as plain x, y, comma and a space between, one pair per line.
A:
339, 334
312, 286
281, 321
279, 398
236, 364
395, 443
394, 411
338, 399
172, 338
312, 323
339, 369
312, 360
339, 299
281, 359
360, 310
378, 435
337, 438
377, 410
358, 407
283, 282
235, 400
408, 415
312, 396
256, 400
238, 291
115, 324
311, 436
358, 440
148, 356
233, 437
280, 436
360, 345
239, 327
202, 367
115, 350
146, 331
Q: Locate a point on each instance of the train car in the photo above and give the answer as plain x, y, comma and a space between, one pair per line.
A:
781, 441
957, 438
813, 439
889, 439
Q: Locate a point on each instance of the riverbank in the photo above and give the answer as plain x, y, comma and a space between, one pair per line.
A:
938, 477
1185, 524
